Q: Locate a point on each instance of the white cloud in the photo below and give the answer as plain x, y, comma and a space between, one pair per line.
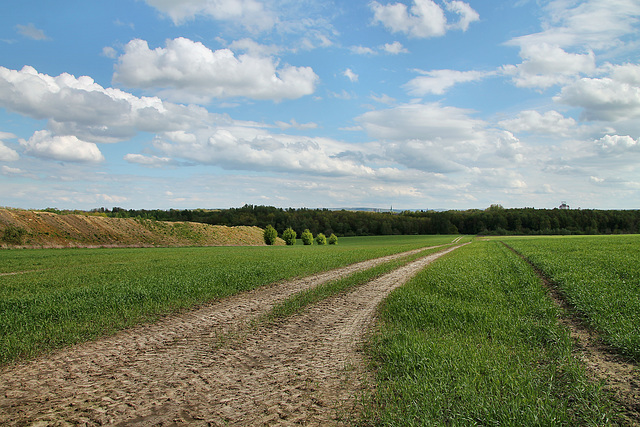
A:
613, 98
617, 144
549, 123
467, 14
394, 48
348, 73
6, 170
149, 161
189, 71
295, 125
30, 31
424, 19
547, 65
362, 50
7, 154
80, 107
109, 52
439, 81
254, 48
250, 13
66, 148
591, 24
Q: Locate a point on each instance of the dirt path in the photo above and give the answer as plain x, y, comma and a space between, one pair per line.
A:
208, 367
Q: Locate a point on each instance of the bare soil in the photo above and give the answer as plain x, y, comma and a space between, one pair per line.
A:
51, 230
214, 366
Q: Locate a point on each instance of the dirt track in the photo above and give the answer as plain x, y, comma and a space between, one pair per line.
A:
209, 367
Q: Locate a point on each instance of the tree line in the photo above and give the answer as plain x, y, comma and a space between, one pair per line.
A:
494, 220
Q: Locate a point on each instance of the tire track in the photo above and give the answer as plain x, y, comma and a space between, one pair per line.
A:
207, 368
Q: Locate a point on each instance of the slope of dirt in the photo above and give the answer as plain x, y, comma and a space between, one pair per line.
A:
210, 367
46, 229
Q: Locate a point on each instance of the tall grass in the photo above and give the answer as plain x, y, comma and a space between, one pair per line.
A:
473, 340
600, 277
65, 296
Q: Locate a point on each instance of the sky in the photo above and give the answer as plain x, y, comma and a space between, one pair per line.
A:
410, 104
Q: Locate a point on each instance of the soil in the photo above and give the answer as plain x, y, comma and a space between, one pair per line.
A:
50, 230
214, 366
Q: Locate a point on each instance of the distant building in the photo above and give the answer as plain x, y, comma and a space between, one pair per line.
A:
564, 205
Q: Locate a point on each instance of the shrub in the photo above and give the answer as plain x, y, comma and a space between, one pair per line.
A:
270, 235
289, 236
14, 235
333, 239
321, 239
307, 237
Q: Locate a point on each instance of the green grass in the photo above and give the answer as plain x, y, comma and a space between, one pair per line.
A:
599, 276
311, 296
474, 340
67, 296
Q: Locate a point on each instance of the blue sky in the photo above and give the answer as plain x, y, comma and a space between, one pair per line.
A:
415, 104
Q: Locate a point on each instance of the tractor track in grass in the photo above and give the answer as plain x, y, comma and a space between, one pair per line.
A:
214, 365
620, 377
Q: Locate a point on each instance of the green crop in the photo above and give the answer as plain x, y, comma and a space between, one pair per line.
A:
50, 298
474, 340
599, 276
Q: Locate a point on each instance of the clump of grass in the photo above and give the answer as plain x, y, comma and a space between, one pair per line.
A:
474, 340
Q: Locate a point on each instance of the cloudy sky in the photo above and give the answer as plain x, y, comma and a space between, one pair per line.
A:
415, 104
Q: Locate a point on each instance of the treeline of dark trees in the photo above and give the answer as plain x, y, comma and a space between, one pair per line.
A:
494, 220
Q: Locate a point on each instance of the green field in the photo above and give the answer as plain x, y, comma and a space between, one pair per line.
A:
474, 340
599, 276
64, 296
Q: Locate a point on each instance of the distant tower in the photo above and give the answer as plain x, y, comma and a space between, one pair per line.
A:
564, 205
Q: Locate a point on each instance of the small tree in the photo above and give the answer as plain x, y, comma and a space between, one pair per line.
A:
307, 237
321, 239
289, 236
14, 235
333, 239
270, 235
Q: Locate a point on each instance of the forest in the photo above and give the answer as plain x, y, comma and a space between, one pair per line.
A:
494, 220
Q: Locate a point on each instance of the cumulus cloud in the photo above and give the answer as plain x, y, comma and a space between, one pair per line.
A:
613, 98
439, 139
439, 81
7, 154
257, 150
394, 48
81, 107
546, 65
617, 144
549, 123
424, 19
30, 31
66, 148
348, 73
252, 14
189, 71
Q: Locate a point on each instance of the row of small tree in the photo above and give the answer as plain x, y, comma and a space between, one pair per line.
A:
289, 236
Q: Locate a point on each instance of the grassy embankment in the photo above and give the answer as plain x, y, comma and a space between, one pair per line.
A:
60, 297
474, 340
599, 276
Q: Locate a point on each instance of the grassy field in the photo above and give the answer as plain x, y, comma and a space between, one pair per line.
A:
59, 297
599, 276
474, 340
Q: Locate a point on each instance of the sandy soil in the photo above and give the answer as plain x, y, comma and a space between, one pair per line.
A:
213, 366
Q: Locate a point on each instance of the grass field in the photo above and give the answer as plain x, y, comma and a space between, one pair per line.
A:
59, 297
474, 340
599, 276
